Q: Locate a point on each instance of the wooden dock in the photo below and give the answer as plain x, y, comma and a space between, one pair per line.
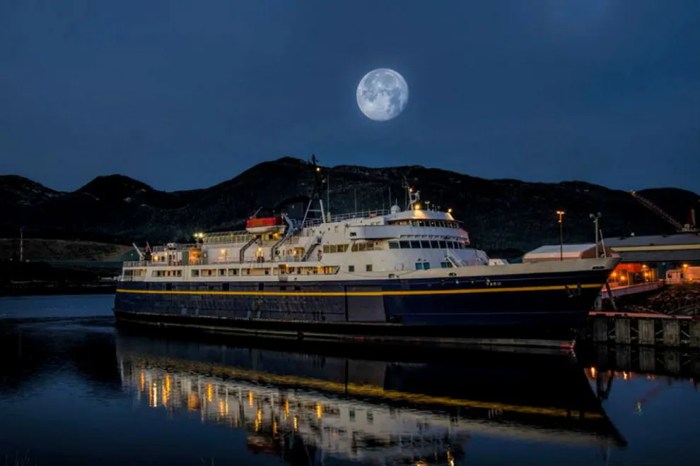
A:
659, 330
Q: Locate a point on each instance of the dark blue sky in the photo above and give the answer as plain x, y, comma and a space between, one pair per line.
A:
187, 94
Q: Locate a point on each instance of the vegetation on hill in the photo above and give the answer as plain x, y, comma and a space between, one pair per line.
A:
506, 217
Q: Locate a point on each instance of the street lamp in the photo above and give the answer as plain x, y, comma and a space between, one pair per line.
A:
595, 217
560, 221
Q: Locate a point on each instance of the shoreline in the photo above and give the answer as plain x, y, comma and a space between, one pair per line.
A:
43, 288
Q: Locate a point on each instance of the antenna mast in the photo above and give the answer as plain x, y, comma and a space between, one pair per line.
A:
316, 193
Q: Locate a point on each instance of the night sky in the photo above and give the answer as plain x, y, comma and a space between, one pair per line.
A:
184, 95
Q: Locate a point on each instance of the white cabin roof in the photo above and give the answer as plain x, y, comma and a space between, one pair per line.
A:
555, 252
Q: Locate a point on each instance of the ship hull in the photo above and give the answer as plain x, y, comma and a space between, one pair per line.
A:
536, 309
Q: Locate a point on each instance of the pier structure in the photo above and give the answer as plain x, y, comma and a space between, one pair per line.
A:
637, 329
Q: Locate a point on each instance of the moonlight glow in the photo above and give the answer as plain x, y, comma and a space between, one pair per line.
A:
382, 94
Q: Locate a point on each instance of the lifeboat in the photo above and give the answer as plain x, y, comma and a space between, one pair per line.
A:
258, 225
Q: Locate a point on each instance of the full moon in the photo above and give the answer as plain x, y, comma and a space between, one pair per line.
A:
382, 94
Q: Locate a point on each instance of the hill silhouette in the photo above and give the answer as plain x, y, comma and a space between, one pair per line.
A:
505, 217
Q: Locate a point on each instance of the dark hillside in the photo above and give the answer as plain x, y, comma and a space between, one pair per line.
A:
505, 215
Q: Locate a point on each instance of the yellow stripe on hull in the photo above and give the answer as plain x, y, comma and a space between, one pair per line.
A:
365, 293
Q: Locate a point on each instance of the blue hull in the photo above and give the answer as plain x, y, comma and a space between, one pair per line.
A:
543, 306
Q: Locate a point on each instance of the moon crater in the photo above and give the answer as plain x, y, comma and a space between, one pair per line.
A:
382, 94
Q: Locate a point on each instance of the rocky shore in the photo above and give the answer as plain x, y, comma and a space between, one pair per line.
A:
681, 299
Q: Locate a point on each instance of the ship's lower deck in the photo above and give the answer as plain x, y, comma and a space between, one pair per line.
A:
540, 308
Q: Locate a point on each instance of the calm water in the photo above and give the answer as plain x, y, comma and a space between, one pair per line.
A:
73, 390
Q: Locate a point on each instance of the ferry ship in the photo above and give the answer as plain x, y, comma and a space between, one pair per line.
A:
399, 275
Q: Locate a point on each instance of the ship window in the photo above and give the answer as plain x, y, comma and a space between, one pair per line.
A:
443, 244
342, 247
351, 268
352, 233
195, 273
222, 272
420, 223
393, 245
334, 248
432, 223
426, 265
326, 248
419, 266
404, 244
368, 267
415, 244
435, 244
231, 272
425, 244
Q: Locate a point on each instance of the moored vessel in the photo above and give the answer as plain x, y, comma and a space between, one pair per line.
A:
401, 275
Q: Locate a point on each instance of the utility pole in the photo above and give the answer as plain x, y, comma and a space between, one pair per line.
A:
21, 244
561, 213
595, 218
328, 193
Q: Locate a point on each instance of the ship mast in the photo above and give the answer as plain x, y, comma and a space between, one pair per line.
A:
412, 197
316, 193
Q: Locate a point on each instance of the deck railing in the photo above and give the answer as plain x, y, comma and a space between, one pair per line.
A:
339, 218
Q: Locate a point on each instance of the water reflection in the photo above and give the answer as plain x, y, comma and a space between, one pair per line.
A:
307, 404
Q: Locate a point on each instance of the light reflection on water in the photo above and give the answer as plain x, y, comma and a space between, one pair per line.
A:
78, 391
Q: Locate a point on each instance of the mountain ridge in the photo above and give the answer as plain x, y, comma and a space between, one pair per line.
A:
501, 215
